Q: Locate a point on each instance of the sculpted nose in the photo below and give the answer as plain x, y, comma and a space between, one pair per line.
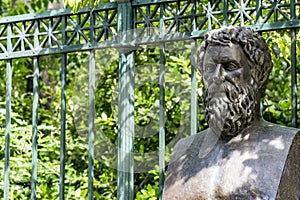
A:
218, 75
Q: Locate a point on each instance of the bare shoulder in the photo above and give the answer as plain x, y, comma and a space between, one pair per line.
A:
279, 129
263, 135
185, 145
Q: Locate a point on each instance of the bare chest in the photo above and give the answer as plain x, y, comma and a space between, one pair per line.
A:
248, 171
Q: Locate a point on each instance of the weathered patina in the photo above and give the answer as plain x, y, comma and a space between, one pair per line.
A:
240, 155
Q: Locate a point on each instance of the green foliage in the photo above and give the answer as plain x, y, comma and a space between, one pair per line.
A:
147, 98
150, 193
18, 7
278, 99
77, 4
277, 109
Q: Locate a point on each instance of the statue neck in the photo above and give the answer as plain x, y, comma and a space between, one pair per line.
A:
257, 110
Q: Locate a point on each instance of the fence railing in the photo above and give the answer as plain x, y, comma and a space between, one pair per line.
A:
125, 25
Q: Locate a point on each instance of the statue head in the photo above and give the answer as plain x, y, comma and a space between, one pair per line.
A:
235, 64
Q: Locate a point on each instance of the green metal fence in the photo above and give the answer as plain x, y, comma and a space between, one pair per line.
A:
127, 24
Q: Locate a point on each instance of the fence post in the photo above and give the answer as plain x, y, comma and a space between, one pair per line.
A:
125, 104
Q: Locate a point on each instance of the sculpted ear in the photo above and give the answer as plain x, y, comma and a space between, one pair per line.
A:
259, 57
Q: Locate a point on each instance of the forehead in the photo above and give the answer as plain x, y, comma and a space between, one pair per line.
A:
221, 52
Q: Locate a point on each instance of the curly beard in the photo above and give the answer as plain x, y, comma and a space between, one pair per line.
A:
228, 109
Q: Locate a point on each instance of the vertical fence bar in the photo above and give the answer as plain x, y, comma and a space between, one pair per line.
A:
293, 67
194, 106
126, 105
162, 119
242, 14
8, 112
92, 66
225, 12
209, 17
292, 9
193, 58
258, 11
91, 124
35, 126
63, 115
62, 128
35, 113
7, 127
275, 11
294, 77
194, 12
162, 83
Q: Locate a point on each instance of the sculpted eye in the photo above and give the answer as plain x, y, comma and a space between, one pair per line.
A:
209, 68
231, 66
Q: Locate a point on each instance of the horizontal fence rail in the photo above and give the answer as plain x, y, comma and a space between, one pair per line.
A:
126, 25
154, 21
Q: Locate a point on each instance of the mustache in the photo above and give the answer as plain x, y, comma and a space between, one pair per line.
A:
227, 89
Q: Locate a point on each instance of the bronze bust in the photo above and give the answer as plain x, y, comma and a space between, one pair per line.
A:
240, 155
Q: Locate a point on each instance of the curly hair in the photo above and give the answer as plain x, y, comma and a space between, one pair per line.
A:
253, 45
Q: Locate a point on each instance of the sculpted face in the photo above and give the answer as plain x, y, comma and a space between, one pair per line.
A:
229, 97
225, 64
235, 64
